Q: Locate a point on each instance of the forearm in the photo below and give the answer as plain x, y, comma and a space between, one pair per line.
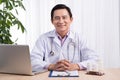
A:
39, 66
83, 65
51, 67
76, 67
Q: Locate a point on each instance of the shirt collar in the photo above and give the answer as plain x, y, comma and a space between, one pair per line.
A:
61, 37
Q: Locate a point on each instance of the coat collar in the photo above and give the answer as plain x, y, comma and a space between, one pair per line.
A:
52, 34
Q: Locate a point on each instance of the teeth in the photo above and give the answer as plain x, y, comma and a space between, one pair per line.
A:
60, 25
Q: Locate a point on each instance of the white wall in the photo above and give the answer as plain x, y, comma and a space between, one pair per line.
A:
98, 20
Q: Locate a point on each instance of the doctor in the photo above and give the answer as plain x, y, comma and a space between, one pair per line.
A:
61, 49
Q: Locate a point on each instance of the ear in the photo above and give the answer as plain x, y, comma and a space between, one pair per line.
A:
71, 19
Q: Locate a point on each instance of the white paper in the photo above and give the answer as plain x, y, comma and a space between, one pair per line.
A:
65, 73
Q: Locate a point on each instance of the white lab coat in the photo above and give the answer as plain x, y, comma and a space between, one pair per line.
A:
80, 53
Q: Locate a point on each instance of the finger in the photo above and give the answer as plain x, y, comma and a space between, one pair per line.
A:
63, 63
60, 61
66, 67
59, 65
66, 61
60, 69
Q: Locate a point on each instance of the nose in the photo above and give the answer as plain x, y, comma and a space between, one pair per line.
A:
61, 20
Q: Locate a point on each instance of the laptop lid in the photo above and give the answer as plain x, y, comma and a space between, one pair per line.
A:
15, 59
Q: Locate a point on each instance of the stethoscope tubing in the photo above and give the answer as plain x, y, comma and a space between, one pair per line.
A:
71, 43
68, 51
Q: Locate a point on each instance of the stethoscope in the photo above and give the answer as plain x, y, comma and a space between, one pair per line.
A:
70, 46
51, 52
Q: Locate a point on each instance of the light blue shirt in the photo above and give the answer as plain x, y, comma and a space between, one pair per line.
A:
74, 49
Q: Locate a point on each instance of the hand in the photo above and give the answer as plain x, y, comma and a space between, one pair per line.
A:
68, 65
59, 66
63, 65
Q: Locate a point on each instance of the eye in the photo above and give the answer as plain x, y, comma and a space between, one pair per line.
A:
56, 18
64, 17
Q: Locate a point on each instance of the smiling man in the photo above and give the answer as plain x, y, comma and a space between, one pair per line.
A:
61, 49
61, 20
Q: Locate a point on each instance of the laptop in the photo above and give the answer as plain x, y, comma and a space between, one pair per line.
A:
15, 59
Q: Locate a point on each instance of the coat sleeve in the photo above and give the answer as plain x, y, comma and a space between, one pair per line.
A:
87, 54
37, 57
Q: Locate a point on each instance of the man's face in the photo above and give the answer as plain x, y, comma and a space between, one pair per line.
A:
61, 20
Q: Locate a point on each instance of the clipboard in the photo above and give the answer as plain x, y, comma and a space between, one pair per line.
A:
64, 73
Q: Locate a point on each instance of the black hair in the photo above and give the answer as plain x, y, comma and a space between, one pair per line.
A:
60, 6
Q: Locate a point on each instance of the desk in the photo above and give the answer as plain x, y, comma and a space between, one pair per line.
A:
110, 74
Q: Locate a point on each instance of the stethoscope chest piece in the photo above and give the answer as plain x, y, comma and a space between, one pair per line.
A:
52, 53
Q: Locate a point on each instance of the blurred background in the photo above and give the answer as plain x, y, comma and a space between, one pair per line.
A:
97, 20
